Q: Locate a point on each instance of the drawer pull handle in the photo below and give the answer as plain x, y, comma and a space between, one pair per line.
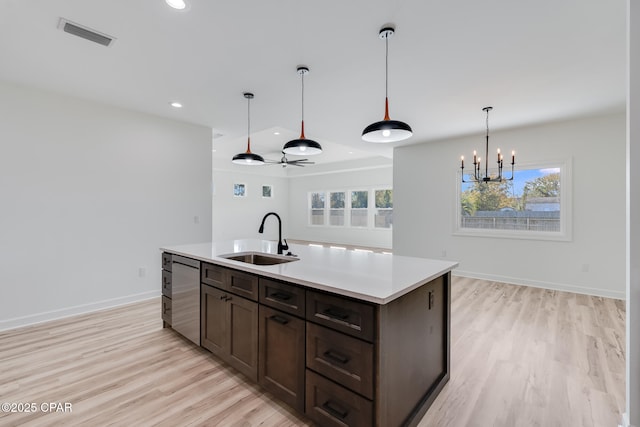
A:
335, 409
280, 296
336, 357
279, 319
336, 313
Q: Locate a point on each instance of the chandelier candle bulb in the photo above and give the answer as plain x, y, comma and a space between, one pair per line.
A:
462, 161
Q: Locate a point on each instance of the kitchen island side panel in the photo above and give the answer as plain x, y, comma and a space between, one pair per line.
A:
413, 358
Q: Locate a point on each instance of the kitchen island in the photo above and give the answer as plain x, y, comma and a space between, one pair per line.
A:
345, 337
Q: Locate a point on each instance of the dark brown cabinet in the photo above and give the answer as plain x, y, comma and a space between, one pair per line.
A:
339, 360
213, 318
329, 404
282, 356
166, 290
229, 329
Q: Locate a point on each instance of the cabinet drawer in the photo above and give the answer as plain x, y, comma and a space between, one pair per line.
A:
166, 261
213, 275
344, 359
166, 283
345, 315
283, 296
242, 284
329, 404
166, 309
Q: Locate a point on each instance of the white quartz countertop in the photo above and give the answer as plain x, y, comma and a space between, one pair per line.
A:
373, 277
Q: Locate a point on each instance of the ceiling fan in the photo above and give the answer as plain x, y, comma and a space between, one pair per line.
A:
285, 162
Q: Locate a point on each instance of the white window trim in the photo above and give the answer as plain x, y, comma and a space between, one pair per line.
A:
566, 202
347, 209
368, 208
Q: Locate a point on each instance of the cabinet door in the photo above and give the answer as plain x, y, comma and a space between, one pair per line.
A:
282, 349
435, 349
242, 324
213, 320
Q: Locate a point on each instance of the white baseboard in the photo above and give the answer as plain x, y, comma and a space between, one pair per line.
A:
625, 421
32, 319
546, 285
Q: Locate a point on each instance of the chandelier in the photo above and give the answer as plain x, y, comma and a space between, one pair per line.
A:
477, 175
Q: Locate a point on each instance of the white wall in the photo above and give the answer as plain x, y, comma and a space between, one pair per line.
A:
424, 205
89, 193
240, 217
633, 220
338, 176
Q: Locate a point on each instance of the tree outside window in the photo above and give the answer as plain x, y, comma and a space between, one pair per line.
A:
531, 202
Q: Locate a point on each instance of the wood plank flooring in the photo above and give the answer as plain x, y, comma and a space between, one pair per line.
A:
523, 356
520, 357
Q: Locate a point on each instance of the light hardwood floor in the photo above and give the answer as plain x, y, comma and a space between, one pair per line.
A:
520, 357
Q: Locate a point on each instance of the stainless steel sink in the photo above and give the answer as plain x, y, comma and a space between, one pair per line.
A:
259, 258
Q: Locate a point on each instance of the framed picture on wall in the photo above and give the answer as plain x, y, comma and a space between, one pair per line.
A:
267, 191
239, 190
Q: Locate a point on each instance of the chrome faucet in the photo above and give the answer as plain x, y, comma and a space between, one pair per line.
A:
281, 246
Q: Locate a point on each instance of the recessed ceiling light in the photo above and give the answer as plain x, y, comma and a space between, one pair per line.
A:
176, 4
350, 152
276, 133
175, 104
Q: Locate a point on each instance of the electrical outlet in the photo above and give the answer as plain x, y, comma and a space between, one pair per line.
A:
444, 253
142, 271
585, 268
196, 219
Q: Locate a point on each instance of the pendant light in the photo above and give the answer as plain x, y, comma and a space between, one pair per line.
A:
386, 130
248, 158
302, 146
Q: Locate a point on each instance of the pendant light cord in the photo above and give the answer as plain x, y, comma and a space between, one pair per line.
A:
302, 77
248, 124
486, 160
386, 67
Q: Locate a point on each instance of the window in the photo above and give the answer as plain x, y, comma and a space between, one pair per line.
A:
535, 205
359, 208
317, 209
370, 208
336, 208
383, 216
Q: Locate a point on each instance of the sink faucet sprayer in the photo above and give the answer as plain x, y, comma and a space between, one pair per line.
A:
281, 246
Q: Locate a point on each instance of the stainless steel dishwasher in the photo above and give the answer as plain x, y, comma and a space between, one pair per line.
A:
186, 297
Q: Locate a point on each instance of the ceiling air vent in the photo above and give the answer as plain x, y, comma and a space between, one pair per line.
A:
85, 32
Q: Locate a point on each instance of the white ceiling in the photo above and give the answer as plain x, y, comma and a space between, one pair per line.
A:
533, 61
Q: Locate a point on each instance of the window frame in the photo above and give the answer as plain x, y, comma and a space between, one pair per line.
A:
310, 208
371, 210
367, 209
566, 216
345, 202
